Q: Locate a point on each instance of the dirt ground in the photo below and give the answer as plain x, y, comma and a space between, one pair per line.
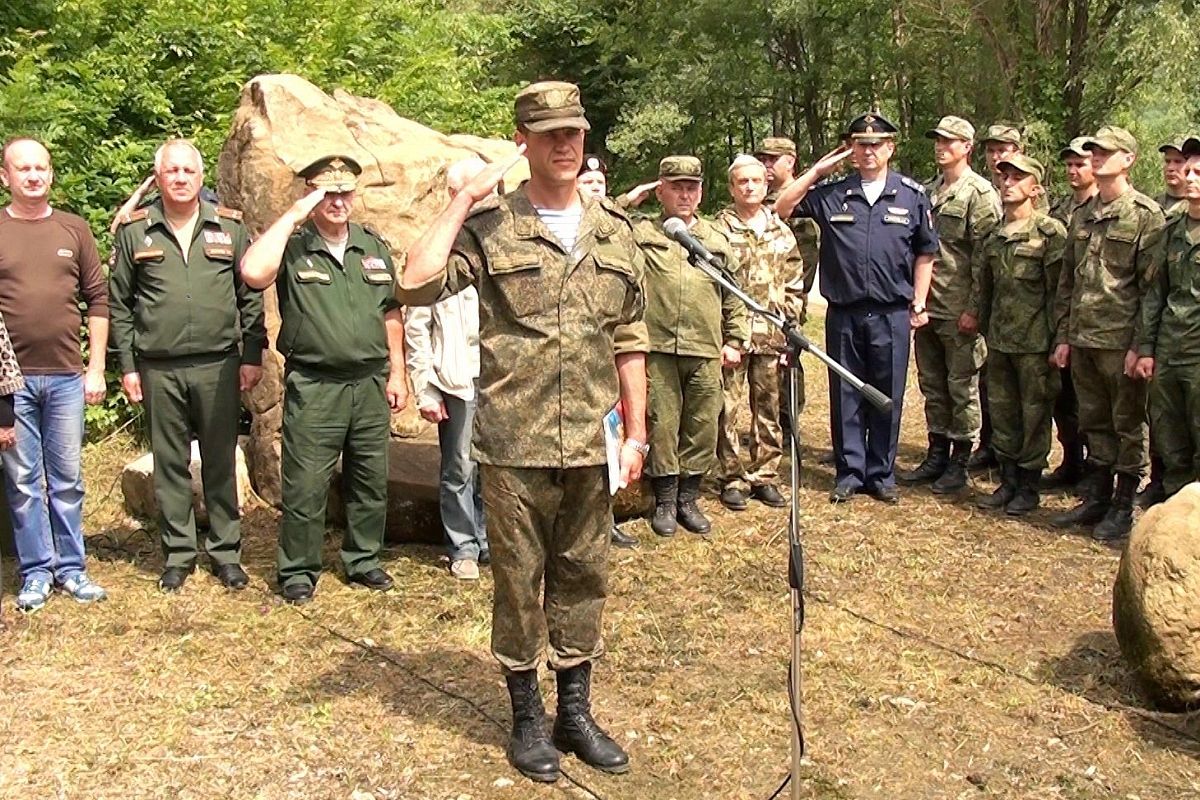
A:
948, 653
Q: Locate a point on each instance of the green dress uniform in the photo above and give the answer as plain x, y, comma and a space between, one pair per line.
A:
550, 321
689, 318
335, 403
178, 320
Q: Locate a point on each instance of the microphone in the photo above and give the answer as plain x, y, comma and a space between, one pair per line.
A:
676, 229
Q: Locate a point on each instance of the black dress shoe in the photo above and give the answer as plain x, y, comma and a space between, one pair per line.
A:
885, 494
620, 538
842, 493
734, 498
231, 576
485, 558
768, 495
297, 593
172, 578
375, 579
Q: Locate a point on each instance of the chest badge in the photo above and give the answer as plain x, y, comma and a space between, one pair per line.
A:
65, 253
218, 237
147, 241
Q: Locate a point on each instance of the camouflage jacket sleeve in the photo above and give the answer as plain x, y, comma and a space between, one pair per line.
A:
982, 218
1066, 283
631, 335
1150, 252
1154, 302
462, 269
795, 285
1056, 243
735, 319
979, 304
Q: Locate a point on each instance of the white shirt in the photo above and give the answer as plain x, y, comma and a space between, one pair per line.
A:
337, 249
441, 345
873, 189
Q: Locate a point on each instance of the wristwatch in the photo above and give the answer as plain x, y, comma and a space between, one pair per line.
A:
917, 308
641, 447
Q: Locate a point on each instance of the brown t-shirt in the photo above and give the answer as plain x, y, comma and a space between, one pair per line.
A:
46, 266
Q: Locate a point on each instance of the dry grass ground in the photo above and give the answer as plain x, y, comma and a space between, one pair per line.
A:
948, 654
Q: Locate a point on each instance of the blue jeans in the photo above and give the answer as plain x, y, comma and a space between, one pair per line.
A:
43, 477
461, 502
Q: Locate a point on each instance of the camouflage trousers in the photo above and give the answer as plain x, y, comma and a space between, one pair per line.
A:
1175, 423
684, 404
1021, 392
948, 364
547, 527
758, 373
1112, 409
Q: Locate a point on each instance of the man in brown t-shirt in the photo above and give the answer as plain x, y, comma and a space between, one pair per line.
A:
48, 261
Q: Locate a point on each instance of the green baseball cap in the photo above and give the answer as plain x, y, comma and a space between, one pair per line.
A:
1023, 163
1003, 133
680, 168
549, 106
1076, 147
952, 128
776, 146
1110, 137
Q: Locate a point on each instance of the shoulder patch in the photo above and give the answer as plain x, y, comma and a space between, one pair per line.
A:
134, 216
1049, 226
229, 213
914, 185
372, 231
1146, 202
609, 205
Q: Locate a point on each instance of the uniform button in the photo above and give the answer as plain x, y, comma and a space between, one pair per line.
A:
189, 297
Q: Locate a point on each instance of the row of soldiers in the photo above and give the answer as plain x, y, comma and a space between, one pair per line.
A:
1074, 308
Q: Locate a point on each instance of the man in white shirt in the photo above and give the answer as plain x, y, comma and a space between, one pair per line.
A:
442, 350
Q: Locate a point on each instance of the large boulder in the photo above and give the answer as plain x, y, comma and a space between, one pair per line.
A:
1156, 601
282, 124
137, 486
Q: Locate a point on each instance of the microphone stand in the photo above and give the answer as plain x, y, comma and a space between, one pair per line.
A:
797, 343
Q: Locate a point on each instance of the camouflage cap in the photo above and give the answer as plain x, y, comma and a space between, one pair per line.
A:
1076, 147
1023, 163
593, 163
680, 168
952, 128
871, 128
548, 106
1190, 147
1174, 144
1003, 133
776, 146
1110, 137
333, 174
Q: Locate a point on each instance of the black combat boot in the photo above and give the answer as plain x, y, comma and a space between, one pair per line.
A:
1070, 472
954, 479
529, 748
984, 458
574, 729
937, 458
688, 513
1154, 493
1096, 491
666, 490
1119, 519
1007, 489
1026, 498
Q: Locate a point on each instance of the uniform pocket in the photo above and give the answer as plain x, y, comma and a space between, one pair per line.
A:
1118, 247
614, 277
520, 282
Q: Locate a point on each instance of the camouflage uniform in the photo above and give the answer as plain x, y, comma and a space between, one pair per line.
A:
550, 321
1171, 205
1111, 254
771, 272
1018, 278
1170, 335
689, 317
948, 362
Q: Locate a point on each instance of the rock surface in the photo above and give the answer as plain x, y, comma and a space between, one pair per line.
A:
137, 486
1156, 601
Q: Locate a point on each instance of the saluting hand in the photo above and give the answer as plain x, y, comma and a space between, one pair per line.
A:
131, 204
638, 194
302, 208
828, 163
483, 184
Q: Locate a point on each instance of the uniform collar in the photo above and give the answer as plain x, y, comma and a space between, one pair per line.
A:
1024, 232
1111, 210
157, 215
527, 223
853, 185
729, 216
315, 243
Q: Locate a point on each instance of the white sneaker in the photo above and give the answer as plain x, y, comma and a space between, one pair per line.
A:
464, 569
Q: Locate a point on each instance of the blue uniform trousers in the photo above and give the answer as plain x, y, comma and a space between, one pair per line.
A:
873, 343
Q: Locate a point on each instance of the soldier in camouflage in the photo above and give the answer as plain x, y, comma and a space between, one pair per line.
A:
1112, 252
1018, 272
1169, 345
778, 155
1172, 199
559, 277
772, 272
695, 328
950, 352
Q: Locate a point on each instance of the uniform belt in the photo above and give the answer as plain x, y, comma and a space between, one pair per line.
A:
869, 307
189, 360
369, 369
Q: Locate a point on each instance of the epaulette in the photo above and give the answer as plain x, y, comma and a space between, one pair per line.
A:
372, 231
1146, 202
229, 213
1049, 226
610, 205
136, 215
910, 183
981, 184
